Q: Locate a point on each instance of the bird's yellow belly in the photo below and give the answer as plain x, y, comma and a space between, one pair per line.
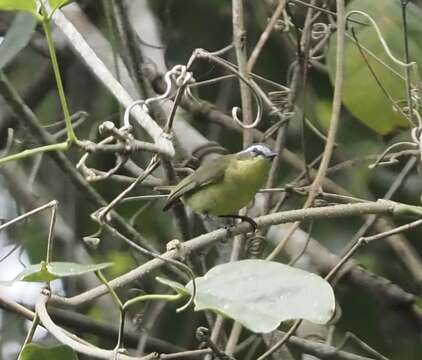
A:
218, 200
229, 196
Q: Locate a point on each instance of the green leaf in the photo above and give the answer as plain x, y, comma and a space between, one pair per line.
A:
361, 93
179, 288
24, 5
30, 5
37, 352
55, 270
55, 4
17, 37
260, 294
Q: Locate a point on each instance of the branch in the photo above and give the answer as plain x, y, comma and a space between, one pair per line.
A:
240, 43
320, 350
328, 212
105, 76
84, 324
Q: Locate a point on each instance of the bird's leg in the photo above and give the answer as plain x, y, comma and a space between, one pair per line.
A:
249, 220
213, 223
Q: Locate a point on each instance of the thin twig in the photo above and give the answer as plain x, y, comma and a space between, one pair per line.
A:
388, 195
240, 45
265, 35
329, 146
335, 115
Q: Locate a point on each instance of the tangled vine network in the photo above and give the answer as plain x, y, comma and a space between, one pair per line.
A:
96, 178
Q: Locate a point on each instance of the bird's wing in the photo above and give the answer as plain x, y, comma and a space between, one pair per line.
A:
210, 172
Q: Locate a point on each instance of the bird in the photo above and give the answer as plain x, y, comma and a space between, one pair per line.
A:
222, 186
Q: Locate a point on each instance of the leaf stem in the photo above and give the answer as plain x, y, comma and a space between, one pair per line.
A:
30, 334
29, 152
50, 237
71, 136
166, 297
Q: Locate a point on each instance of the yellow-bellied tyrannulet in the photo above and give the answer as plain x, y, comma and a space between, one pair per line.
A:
226, 184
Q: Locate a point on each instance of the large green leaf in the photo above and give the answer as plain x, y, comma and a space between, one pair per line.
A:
37, 352
17, 37
29, 5
361, 93
260, 294
55, 270
25, 5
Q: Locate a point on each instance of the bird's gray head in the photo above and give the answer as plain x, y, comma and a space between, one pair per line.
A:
258, 150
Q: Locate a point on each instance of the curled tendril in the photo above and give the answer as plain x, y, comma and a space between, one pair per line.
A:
179, 75
280, 99
320, 33
255, 245
283, 24
405, 109
320, 30
381, 39
191, 275
380, 161
236, 109
201, 53
126, 116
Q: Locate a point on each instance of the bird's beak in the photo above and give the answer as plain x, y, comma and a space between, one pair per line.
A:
271, 156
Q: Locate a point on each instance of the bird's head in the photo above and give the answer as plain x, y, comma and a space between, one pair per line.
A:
256, 150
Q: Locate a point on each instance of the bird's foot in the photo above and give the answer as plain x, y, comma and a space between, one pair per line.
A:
247, 219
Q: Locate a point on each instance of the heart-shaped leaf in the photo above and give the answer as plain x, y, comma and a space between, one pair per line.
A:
260, 294
37, 352
55, 270
361, 94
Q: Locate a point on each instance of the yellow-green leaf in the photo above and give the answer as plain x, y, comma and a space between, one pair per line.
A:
361, 93
29, 5
24, 5
37, 352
